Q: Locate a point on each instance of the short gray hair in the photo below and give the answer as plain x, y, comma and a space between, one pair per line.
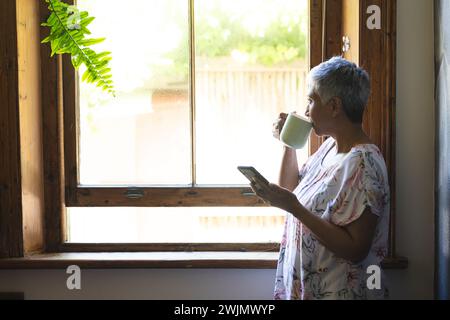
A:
341, 78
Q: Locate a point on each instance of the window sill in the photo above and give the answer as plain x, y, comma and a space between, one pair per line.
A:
160, 260
397, 263
112, 260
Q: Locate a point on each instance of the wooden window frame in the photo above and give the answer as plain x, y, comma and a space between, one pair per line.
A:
64, 125
191, 195
60, 132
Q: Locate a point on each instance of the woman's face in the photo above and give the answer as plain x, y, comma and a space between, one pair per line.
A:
319, 113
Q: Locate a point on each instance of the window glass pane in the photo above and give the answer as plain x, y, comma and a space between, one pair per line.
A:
251, 64
172, 225
142, 136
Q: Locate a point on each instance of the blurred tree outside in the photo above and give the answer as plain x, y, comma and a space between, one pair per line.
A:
266, 33
221, 33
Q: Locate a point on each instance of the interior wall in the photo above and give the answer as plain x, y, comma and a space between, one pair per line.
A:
415, 149
415, 204
176, 284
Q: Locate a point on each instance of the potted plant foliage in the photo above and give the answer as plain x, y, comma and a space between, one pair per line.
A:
69, 35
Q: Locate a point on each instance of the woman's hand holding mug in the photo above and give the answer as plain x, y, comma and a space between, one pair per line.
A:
278, 125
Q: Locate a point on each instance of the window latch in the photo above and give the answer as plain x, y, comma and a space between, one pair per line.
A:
345, 44
134, 193
248, 193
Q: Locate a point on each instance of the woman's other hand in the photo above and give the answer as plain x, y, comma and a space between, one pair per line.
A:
276, 196
278, 125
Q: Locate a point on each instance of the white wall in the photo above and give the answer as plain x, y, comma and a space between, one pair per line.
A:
143, 284
415, 149
415, 204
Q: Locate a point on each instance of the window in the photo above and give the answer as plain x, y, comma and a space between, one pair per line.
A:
88, 184
34, 223
198, 85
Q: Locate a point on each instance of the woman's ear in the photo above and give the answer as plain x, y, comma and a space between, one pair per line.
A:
336, 106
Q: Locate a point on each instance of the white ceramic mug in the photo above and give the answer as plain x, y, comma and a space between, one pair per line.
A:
296, 131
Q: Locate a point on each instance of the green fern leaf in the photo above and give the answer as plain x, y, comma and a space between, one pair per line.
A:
68, 31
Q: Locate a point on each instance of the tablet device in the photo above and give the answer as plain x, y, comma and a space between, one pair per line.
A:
253, 175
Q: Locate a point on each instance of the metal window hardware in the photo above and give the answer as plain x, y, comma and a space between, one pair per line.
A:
248, 193
134, 193
345, 44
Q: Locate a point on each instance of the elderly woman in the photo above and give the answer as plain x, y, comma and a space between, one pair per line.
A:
338, 203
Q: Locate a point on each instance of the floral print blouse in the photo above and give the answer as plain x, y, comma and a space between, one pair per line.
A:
338, 193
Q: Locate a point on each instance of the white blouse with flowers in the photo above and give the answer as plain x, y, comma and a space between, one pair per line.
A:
338, 192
